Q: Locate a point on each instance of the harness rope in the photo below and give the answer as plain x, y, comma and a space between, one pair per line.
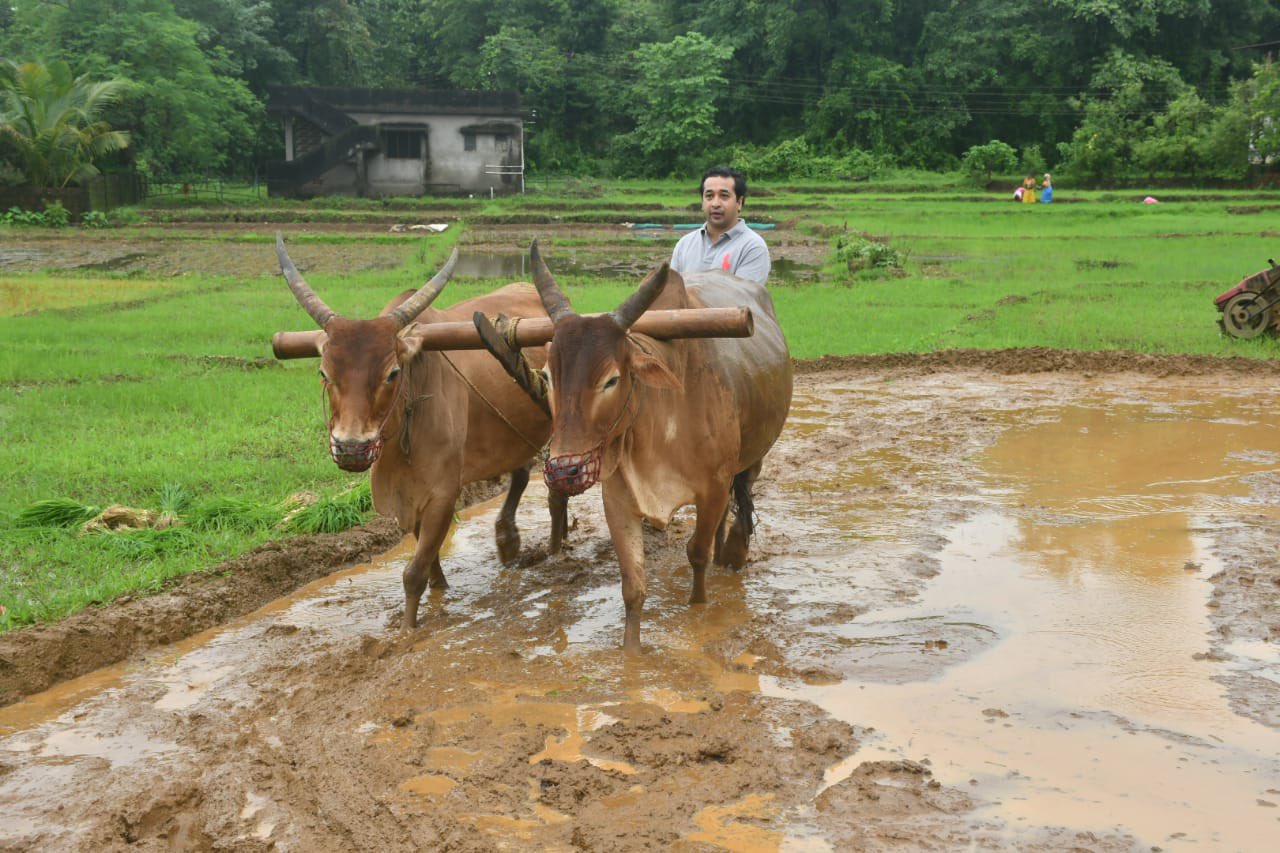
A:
538, 448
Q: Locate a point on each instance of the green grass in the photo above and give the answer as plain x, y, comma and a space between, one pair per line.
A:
162, 394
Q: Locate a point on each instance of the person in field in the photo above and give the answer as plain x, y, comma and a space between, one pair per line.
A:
724, 242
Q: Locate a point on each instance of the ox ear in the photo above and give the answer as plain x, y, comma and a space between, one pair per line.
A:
653, 371
409, 342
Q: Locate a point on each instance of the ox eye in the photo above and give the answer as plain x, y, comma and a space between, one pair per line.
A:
393, 375
612, 381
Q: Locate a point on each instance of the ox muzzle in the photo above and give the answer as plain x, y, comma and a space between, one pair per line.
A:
572, 474
355, 456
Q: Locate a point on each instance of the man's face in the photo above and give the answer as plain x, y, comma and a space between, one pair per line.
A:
719, 203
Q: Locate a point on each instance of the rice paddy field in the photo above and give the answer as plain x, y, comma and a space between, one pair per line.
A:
135, 362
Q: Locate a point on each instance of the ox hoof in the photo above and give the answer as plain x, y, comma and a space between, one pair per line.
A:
508, 545
734, 552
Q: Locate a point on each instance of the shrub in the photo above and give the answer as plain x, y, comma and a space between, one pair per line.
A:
981, 161
55, 215
859, 253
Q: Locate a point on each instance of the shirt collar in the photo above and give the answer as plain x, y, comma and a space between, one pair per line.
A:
732, 232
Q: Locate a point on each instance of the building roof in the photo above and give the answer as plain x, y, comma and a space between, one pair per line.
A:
285, 99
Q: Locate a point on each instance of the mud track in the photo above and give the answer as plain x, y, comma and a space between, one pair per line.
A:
511, 721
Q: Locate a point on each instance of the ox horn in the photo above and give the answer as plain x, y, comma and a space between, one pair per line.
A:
637, 303
302, 291
553, 299
416, 304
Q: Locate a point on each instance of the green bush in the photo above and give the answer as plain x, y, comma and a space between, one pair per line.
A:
55, 215
860, 253
982, 161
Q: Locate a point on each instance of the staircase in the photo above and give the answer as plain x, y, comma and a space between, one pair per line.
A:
346, 137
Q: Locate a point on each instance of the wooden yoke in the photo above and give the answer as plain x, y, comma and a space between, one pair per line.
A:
535, 331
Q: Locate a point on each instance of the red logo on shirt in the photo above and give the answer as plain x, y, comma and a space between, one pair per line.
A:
724, 265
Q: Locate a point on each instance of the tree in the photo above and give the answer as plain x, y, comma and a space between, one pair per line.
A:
185, 116
672, 101
985, 160
51, 122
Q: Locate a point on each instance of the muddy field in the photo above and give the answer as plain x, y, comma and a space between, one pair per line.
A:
1020, 600
227, 249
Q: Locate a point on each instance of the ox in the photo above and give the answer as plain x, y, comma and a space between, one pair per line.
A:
664, 424
451, 418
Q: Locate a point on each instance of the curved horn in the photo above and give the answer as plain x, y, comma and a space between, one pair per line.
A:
302, 291
416, 304
553, 299
637, 303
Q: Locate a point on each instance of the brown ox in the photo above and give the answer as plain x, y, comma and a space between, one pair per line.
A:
428, 422
664, 424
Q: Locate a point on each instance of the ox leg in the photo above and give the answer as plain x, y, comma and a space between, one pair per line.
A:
711, 511
558, 504
425, 565
734, 553
505, 531
719, 541
627, 535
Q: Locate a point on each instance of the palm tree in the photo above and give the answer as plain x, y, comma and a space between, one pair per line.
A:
50, 125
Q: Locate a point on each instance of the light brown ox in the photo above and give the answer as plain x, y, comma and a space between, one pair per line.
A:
428, 422
665, 424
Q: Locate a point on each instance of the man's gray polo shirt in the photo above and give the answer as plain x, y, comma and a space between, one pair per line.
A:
739, 251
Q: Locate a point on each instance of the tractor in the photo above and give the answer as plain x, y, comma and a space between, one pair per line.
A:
1248, 309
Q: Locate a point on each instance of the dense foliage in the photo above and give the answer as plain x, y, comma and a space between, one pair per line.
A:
1104, 90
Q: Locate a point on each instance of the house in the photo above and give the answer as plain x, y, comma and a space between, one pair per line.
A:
384, 142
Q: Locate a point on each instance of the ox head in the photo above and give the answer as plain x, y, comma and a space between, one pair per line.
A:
594, 368
362, 364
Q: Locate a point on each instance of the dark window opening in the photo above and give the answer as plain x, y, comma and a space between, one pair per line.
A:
500, 141
402, 144
468, 142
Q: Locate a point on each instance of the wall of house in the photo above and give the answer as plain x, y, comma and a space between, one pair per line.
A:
452, 168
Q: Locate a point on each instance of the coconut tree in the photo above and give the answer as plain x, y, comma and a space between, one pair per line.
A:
51, 127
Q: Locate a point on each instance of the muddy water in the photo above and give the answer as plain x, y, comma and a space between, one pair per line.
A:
1093, 702
999, 580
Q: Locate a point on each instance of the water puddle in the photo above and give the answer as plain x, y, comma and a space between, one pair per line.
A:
1081, 694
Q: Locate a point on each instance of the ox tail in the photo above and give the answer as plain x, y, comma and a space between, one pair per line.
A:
745, 508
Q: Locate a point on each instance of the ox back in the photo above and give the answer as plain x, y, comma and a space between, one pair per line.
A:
757, 370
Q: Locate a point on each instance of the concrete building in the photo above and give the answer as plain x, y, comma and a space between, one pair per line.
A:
396, 142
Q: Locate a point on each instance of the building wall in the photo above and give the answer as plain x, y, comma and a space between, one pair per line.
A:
452, 168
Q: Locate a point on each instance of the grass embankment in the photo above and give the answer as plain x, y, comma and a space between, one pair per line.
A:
159, 393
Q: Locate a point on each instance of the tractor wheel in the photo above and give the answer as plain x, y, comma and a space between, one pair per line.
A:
1244, 315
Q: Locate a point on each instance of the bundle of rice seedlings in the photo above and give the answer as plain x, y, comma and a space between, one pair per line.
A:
223, 513
148, 542
327, 515
360, 496
173, 499
55, 512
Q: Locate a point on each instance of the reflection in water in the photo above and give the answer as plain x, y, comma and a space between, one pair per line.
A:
1097, 706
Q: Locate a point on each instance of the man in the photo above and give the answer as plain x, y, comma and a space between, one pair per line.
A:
724, 242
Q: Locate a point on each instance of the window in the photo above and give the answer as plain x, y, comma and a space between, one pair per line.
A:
500, 141
402, 144
468, 142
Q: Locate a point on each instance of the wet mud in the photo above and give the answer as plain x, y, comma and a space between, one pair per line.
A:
988, 606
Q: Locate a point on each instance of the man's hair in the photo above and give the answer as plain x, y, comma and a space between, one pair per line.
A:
739, 180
